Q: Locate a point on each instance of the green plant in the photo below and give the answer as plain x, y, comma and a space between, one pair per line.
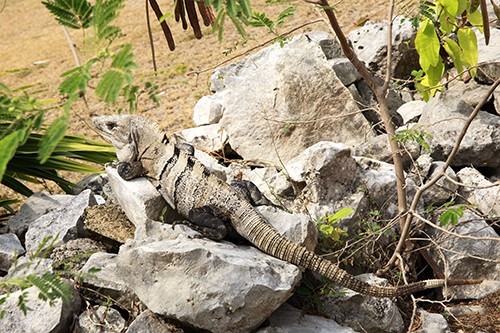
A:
413, 135
445, 36
327, 224
451, 215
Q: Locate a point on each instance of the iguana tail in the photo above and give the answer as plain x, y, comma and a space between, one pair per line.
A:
253, 227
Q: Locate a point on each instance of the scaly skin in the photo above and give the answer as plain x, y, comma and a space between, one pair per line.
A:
185, 183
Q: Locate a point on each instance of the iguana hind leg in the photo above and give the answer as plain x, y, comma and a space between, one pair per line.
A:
206, 222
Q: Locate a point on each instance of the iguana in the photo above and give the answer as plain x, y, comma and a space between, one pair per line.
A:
210, 203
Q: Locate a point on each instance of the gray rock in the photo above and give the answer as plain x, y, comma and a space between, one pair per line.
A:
364, 313
100, 319
35, 206
138, 197
208, 138
444, 117
328, 172
41, 316
214, 286
148, 322
288, 319
462, 258
466, 309
99, 185
370, 44
207, 111
496, 100
296, 90
432, 323
378, 148
443, 189
378, 180
480, 192
297, 227
10, 249
471, 92
211, 163
71, 256
106, 278
63, 224
25, 266
411, 111
488, 57
345, 70
329, 45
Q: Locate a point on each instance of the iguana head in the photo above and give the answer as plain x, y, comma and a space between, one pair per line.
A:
132, 136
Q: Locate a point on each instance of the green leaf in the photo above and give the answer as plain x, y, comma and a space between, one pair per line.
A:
427, 45
52, 138
246, 9
76, 14
468, 42
455, 53
476, 19
76, 80
454, 7
451, 215
284, 14
340, 215
8, 147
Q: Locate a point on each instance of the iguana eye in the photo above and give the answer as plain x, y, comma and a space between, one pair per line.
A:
110, 125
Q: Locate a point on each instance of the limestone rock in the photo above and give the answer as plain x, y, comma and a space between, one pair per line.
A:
10, 249
295, 89
214, 286
444, 117
41, 318
208, 138
480, 192
364, 313
100, 319
345, 70
64, 223
207, 111
411, 111
432, 323
288, 319
462, 256
488, 57
444, 188
148, 322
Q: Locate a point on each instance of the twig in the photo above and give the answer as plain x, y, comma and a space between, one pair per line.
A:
406, 227
71, 46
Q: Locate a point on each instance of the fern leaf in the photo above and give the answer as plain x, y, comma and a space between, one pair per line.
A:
76, 14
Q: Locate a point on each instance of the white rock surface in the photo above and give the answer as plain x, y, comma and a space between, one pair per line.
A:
10, 249
480, 192
207, 111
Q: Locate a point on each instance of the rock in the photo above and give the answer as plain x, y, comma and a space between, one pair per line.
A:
62, 224
444, 117
295, 90
148, 322
370, 44
35, 206
100, 319
458, 310
101, 274
207, 111
10, 249
443, 189
378, 148
471, 92
213, 286
296, 227
364, 313
328, 171
480, 192
345, 70
138, 198
329, 45
99, 185
378, 180
488, 57
411, 111
432, 323
208, 138
364, 96
41, 316
71, 256
211, 164
26, 266
288, 319
496, 100
108, 224
460, 257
